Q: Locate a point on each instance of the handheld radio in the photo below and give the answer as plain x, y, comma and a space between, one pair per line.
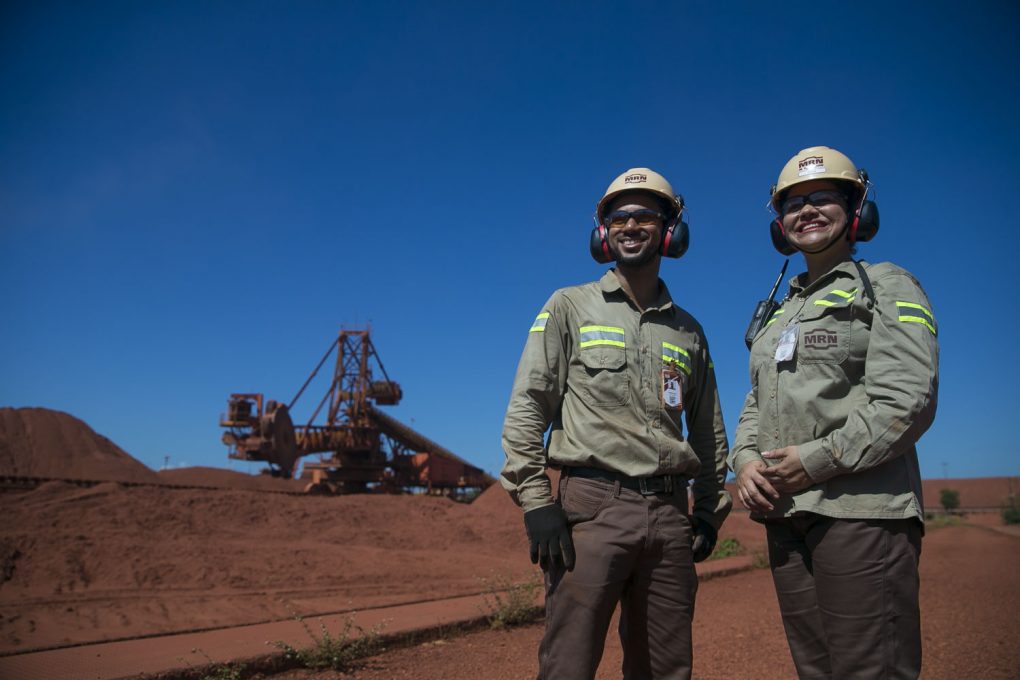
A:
764, 311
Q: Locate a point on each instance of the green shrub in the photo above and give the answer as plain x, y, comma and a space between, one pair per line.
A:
225, 672
950, 499
511, 603
338, 652
728, 547
1011, 513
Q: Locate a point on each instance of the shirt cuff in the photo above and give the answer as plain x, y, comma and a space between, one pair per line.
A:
817, 461
535, 497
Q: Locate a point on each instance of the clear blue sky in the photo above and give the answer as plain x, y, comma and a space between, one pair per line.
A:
195, 197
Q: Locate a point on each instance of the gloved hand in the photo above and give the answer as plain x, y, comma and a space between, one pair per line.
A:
705, 537
550, 537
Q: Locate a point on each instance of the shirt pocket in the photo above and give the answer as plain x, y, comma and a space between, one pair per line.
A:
824, 335
605, 381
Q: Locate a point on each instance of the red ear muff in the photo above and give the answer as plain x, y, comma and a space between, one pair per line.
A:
779, 241
675, 239
598, 246
865, 224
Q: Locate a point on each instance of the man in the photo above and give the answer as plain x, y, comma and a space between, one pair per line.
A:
610, 367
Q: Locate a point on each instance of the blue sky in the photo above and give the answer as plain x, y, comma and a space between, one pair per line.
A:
195, 197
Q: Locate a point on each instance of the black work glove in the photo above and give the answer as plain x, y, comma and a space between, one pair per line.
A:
705, 537
549, 535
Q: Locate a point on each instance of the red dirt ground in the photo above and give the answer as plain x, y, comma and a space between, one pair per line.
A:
111, 561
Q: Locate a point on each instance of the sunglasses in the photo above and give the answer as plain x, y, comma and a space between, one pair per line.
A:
643, 218
819, 199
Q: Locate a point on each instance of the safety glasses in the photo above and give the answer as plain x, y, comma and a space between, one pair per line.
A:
643, 218
819, 199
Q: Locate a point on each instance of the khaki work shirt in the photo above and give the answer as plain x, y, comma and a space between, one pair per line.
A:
593, 369
858, 392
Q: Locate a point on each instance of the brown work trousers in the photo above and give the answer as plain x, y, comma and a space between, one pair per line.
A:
848, 594
631, 549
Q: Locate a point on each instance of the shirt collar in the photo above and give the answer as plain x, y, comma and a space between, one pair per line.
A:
843, 269
611, 285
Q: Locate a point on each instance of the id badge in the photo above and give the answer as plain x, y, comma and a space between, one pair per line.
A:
672, 390
787, 343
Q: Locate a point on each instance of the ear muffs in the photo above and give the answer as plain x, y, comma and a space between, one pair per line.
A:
675, 239
598, 246
865, 224
779, 238
863, 228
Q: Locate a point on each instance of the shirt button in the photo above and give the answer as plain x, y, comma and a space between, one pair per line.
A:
776, 435
772, 394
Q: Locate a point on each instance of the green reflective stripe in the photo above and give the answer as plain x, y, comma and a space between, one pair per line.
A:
671, 354
540, 321
836, 296
777, 313
602, 335
911, 312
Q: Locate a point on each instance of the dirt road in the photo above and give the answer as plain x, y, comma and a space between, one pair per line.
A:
969, 599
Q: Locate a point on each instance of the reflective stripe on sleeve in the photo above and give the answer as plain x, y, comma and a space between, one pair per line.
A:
672, 354
911, 312
834, 297
602, 335
540, 321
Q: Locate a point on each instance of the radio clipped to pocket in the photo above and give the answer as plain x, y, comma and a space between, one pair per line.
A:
764, 311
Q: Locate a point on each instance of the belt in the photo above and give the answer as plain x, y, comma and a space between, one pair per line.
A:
646, 486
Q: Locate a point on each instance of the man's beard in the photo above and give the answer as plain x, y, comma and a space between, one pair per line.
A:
633, 261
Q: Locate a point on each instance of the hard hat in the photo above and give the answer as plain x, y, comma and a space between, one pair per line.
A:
642, 179
817, 162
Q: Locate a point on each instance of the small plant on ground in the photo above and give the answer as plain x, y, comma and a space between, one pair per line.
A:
512, 603
950, 499
339, 652
1011, 513
225, 672
215, 671
728, 547
760, 559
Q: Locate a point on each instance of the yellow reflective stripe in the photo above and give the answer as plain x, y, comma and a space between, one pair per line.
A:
679, 363
603, 341
671, 354
602, 335
925, 318
917, 319
711, 364
832, 297
676, 349
774, 315
914, 305
540, 321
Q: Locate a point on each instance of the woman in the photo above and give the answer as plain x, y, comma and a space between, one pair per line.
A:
844, 380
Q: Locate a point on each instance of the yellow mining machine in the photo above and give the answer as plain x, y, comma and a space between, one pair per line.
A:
361, 448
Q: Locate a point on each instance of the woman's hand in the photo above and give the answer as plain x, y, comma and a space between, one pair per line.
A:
753, 489
788, 474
